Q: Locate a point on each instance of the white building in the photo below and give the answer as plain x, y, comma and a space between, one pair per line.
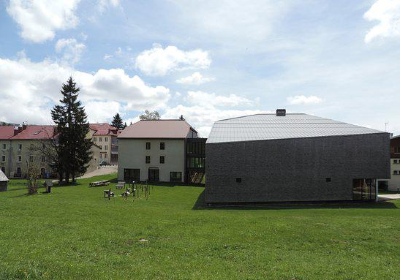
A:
154, 150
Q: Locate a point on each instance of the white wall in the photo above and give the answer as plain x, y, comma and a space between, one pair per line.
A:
132, 155
394, 182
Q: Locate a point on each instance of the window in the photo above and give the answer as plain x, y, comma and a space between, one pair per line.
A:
3, 158
147, 159
162, 159
395, 172
100, 139
18, 171
131, 175
148, 146
395, 161
328, 180
175, 177
95, 139
3, 169
106, 148
43, 159
196, 162
238, 180
4, 146
397, 150
19, 158
20, 147
162, 146
105, 139
30, 158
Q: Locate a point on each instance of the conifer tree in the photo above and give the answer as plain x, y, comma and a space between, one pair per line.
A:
73, 148
117, 122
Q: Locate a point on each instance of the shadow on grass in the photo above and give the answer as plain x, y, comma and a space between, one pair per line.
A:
200, 204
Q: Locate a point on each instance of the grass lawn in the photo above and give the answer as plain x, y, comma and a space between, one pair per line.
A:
74, 233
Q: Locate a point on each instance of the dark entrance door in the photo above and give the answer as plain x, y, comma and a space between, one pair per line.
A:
154, 175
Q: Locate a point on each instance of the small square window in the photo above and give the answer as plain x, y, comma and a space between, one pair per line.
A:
162, 146
238, 180
43, 159
30, 158
19, 158
20, 147
328, 180
105, 139
162, 159
148, 146
395, 161
100, 139
3, 158
147, 159
395, 172
4, 146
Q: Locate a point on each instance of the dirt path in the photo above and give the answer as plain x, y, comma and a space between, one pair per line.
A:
103, 170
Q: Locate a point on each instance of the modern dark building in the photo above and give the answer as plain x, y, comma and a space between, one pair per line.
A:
293, 157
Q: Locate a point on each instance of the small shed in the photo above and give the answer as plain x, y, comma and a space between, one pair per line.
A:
3, 181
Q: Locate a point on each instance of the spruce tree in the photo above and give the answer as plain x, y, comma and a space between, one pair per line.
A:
73, 149
117, 122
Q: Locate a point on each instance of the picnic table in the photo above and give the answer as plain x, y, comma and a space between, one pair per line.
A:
99, 183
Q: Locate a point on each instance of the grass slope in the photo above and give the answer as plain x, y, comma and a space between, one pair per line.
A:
74, 233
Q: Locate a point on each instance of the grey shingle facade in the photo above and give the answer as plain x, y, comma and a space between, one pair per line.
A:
302, 168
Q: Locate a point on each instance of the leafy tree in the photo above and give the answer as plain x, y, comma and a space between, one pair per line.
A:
73, 147
117, 122
150, 115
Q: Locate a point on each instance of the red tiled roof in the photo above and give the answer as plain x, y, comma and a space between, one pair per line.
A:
103, 129
6, 132
36, 132
157, 129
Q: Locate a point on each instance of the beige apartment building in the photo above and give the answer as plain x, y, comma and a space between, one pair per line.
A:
25, 145
22, 146
105, 137
154, 150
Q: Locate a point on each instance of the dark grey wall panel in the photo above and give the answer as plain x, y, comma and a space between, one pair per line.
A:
294, 169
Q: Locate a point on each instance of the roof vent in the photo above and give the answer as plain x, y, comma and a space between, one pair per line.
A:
280, 112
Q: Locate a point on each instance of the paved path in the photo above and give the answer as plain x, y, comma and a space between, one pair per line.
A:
383, 197
103, 170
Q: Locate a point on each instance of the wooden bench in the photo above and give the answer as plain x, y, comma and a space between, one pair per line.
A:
99, 183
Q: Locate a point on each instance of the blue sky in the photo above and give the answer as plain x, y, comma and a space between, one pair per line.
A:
205, 60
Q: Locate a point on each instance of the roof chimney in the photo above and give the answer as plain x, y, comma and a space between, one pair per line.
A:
17, 129
280, 112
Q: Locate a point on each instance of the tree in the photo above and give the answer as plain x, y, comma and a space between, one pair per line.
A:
73, 147
150, 115
117, 122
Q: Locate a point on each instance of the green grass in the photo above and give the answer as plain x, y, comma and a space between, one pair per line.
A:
74, 233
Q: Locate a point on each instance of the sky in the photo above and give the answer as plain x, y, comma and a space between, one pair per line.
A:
206, 60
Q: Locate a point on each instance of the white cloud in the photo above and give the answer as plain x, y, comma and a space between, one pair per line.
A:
104, 4
71, 49
158, 61
39, 19
203, 109
195, 79
388, 13
304, 100
107, 56
202, 118
34, 87
211, 99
